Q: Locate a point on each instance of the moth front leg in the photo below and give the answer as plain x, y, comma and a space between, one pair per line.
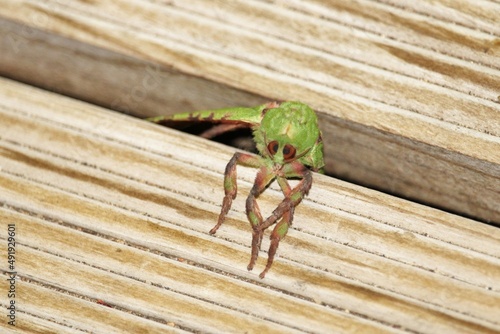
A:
263, 178
230, 186
279, 232
292, 197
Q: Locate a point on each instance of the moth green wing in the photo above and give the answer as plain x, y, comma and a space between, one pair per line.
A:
250, 116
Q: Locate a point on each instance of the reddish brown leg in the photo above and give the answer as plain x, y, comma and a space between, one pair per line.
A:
222, 128
230, 186
286, 209
294, 197
264, 177
279, 233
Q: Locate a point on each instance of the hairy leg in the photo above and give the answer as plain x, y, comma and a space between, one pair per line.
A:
278, 233
292, 197
286, 209
263, 178
230, 186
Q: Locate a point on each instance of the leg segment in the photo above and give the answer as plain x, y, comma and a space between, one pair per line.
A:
230, 186
264, 177
285, 209
279, 233
292, 197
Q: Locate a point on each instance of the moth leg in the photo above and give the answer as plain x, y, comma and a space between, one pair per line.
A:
281, 228
286, 208
278, 233
222, 128
230, 186
292, 197
264, 176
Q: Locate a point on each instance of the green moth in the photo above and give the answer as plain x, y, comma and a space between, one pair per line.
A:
289, 143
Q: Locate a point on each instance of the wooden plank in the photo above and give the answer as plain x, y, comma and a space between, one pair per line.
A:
407, 94
112, 208
47, 307
130, 84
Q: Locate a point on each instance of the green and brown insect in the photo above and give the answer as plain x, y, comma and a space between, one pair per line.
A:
289, 142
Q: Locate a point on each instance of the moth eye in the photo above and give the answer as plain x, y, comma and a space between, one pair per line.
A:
288, 152
273, 147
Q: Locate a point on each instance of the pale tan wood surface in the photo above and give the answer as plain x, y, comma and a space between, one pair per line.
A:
116, 209
407, 92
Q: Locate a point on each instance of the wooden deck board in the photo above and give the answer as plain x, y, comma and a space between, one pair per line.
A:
108, 207
407, 94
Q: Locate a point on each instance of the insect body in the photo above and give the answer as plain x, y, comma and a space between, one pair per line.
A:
290, 146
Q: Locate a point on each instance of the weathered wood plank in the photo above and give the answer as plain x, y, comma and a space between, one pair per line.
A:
47, 306
122, 207
100, 76
407, 94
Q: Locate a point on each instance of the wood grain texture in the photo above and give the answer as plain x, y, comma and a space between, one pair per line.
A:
111, 208
407, 93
